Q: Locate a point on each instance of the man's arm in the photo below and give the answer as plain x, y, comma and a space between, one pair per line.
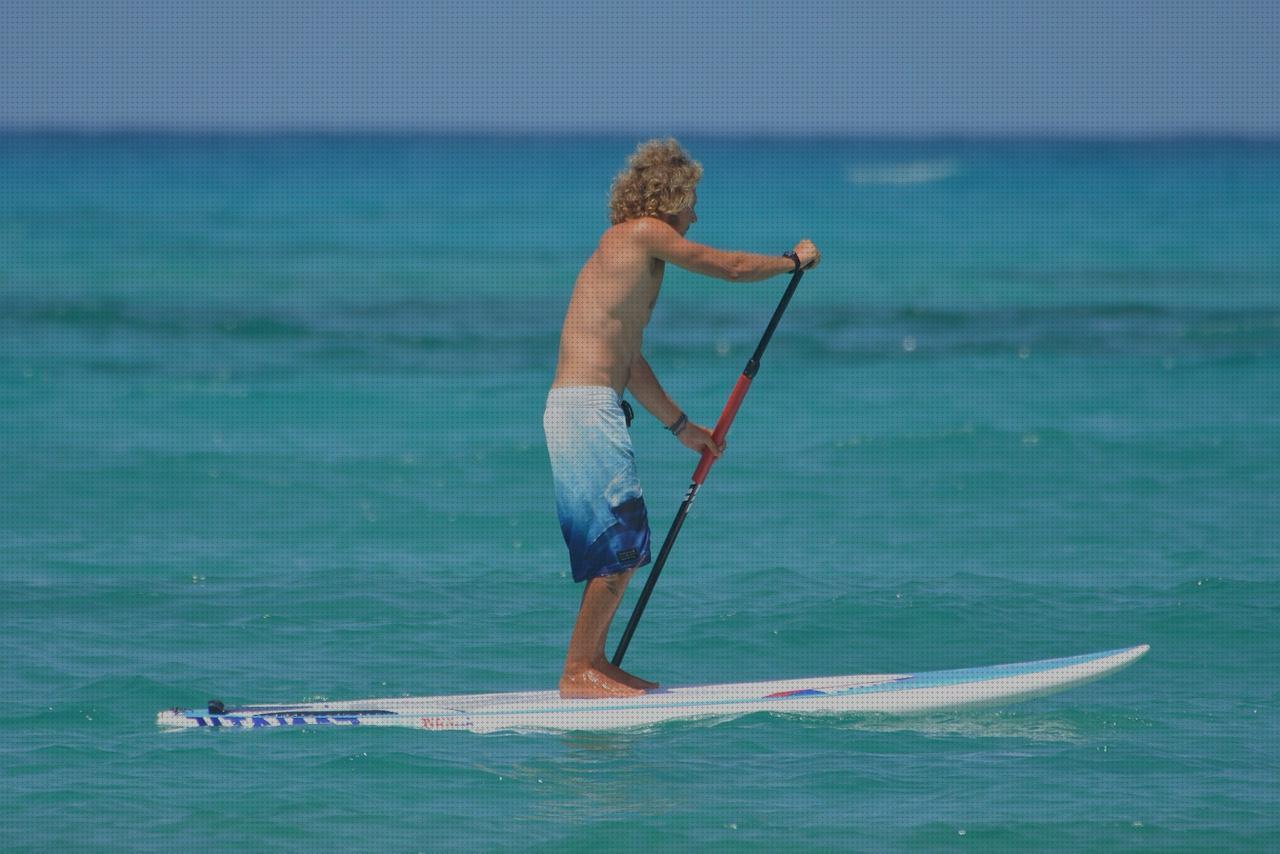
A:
662, 241
649, 392
646, 388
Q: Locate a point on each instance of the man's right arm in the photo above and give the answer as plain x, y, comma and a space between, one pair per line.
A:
662, 241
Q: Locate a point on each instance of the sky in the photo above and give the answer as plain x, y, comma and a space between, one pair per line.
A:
765, 67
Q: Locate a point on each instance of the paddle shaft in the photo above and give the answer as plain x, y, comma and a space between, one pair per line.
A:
704, 466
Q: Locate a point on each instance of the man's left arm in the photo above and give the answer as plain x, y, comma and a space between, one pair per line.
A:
644, 385
648, 391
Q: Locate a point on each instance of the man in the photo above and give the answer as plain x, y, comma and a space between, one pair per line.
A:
598, 495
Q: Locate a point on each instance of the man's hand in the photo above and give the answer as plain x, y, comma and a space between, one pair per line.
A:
808, 254
697, 438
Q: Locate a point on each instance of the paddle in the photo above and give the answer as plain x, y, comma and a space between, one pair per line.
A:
704, 466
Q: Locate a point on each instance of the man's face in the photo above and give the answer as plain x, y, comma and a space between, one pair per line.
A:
686, 217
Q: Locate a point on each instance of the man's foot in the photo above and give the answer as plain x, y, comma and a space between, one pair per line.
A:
619, 675
591, 682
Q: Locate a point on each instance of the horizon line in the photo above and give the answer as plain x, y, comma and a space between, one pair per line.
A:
370, 132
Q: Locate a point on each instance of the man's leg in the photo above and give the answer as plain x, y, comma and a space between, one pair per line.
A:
586, 671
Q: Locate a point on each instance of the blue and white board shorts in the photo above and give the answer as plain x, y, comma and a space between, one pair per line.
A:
598, 496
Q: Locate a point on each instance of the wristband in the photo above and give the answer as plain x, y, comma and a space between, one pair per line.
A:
793, 256
679, 424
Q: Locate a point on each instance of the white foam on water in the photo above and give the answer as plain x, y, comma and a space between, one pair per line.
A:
903, 174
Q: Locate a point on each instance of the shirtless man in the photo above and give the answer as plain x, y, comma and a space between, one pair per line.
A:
598, 495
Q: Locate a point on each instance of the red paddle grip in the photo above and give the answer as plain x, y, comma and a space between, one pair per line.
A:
722, 426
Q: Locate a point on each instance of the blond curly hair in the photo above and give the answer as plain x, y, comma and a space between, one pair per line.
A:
659, 181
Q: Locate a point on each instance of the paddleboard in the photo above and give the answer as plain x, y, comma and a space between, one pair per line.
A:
544, 711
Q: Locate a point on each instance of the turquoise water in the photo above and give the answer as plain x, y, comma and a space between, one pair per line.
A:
271, 419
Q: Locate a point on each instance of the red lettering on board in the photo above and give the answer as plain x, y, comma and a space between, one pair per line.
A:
445, 723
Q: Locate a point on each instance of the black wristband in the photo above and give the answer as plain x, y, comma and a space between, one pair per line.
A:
790, 253
678, 425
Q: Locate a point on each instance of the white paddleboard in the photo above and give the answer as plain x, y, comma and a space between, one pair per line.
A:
534, 711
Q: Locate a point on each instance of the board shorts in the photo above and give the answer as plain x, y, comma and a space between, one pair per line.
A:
598, 496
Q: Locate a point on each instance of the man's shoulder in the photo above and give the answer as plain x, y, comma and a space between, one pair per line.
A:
635, 239
642, 229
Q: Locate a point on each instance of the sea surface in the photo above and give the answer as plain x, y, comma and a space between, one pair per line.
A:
270, 429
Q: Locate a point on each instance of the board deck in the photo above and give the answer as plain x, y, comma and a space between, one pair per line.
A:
534, 711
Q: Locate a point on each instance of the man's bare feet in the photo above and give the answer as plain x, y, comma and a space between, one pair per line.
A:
587, 673
619, 675
590, 682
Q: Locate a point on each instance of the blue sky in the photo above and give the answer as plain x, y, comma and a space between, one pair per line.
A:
1123, 67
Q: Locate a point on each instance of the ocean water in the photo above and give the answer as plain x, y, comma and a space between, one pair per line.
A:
270, 412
